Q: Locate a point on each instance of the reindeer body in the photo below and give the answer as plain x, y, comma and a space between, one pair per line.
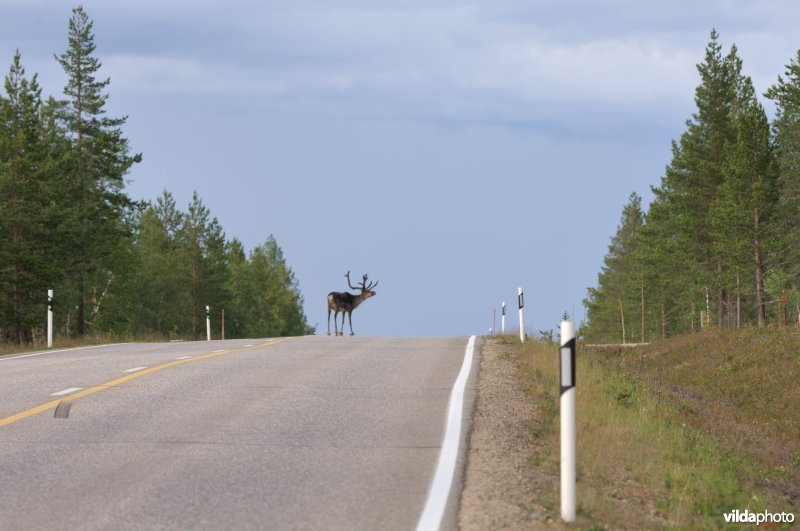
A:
347, 302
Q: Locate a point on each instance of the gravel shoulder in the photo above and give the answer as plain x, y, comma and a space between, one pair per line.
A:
500, 482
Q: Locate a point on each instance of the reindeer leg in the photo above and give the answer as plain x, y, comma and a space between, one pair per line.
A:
341, 332
350, 318
329, 320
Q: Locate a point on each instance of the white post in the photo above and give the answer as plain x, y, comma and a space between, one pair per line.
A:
208, 323
503, 320
567, 371
49, 318
521, 316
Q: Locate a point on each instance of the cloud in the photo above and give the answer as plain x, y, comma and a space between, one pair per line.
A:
423, 57
176, 75
506, 61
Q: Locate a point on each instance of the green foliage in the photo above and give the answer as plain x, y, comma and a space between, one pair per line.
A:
617, 282
724, 224
117, 266
27, 210
95, 165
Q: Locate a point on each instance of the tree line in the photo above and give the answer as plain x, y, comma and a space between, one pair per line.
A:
117, 266
719, 244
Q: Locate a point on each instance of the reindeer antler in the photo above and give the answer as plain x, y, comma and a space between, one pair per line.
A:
362, 285
364, 282
348, 281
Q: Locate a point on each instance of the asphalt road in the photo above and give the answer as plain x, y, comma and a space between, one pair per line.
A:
305, 433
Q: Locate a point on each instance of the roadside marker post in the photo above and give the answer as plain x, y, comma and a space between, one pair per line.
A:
567, 380
49, 318
521, 300
503, 320
208, 323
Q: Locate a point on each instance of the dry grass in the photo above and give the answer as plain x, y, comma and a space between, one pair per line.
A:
646, 457
739, 386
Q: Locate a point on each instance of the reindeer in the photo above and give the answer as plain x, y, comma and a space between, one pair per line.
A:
347, 302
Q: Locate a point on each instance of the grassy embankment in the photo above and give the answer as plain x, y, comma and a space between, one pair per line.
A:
676, 433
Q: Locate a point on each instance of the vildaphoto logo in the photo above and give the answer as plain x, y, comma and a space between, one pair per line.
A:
747, 517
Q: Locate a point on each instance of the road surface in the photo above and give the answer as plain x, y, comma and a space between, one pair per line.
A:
304, 433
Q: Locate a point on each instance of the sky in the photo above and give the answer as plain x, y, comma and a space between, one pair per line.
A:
453, 151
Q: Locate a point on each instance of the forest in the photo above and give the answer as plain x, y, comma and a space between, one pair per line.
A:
118, 267
719, 245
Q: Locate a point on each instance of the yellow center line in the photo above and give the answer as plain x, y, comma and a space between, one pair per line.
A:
119, 381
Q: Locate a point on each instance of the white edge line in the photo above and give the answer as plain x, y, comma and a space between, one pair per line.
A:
135, 369
4, 358
183, 358
433, 512
67, 391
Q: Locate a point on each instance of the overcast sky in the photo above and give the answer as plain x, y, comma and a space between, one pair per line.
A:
454, 151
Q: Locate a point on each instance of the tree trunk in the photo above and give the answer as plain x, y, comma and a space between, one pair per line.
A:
16, 296
729, 306
738, 301
642, 340
784, 315
720, 296
80, 317
761, 310
622, 317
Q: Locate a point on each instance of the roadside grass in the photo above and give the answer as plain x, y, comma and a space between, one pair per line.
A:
646, 457
739, 386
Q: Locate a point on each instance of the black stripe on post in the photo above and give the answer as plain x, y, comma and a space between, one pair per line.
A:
521, 301
567, 366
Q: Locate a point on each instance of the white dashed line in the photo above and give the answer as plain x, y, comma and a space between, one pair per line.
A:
67, 391
183, 358
6, 358
135, 369
247, 346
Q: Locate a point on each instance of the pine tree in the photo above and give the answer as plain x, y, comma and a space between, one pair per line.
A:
786, 130
26, 212
160, 301
98, 160
241, 289
748, 197
619, 282
203, 248
691, 187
